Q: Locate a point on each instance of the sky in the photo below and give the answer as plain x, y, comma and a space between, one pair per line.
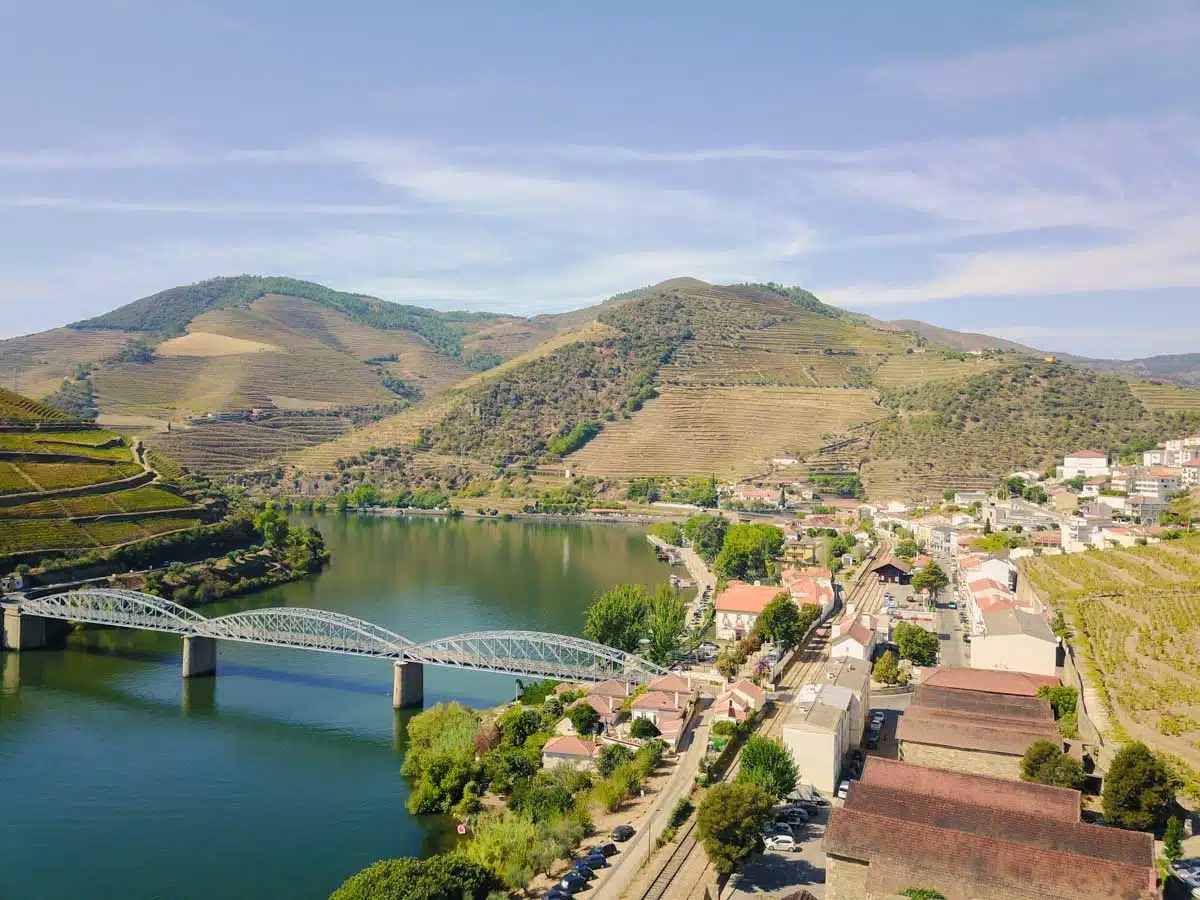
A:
1028, 169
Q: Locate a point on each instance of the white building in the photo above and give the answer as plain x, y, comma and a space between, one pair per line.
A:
1158, 483
854, 636
1009, 513
570, 750
1016, 641
1191, 473
738, 608
1174, 454
1088, 463
966, 498
827, 720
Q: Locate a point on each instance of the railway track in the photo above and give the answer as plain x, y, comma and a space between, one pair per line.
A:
679, 856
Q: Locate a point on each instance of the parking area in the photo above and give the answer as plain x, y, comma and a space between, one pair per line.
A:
782, 874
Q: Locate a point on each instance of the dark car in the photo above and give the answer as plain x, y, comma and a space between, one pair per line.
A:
557, 893
605, 849
595, 861
573, 883
582, 868
622, 833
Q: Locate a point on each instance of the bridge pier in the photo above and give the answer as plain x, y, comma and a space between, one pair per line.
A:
408, 685
199, 656
23, 631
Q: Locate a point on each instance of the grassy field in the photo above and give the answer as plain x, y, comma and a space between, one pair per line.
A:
1136, 615
1166, 397
729, 432
79, 443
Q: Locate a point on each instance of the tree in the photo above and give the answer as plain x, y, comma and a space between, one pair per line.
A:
916, 644
707, 534
441, 877
749, 551
584, 718
1059, 624
668, 531
612, 756
948, 494
1173, 839
727, 664
364, 496
273, 526
730, 823
779, 621
643, 729
1063, 700
768, 764
919, 893
487, 738
665, 620
1138, 790
907, 549
617, 618
1045, 763
931, 578
1014, 486
887, 669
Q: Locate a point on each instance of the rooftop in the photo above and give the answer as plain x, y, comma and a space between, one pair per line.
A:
1087, 454
1017, 621
988, 681
976, 720
745, 598
819, 707
570, 745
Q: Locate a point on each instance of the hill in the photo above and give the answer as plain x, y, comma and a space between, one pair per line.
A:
958, 340
67, 486
1175, 368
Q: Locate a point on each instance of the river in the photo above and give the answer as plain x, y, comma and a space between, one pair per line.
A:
279, 777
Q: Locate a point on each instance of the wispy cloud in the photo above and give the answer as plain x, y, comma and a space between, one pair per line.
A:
1027, 67
81, 204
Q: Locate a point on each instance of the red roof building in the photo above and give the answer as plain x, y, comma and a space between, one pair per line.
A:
988, 681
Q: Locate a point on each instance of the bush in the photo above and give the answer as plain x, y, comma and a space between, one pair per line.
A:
768, 764
669, 532
584, 718
442, 877
612, 756
729, 823
680, 814
1044, 762
643, 729
1138, 790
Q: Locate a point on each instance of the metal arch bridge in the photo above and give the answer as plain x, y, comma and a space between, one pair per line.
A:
532, 653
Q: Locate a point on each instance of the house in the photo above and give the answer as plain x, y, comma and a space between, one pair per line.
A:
977, 838
1091, 487
810, 585
972, 731
610, 709
669, 702
1015, 640
826, 721
738, 702
854, 635
1044, 540
1157, 483
764, 496
1010, 513
1016, 684
892, 569
966, 498
1089, 463
738, 608
1145, 510
1191, 473
570, 750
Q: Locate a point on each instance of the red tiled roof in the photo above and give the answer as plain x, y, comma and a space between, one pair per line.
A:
988, 681
1192, 463
955, 731
606, 707
901, 853
670, 682
570, 745
657, 700
745, 598
994, 601
1099, 479
983, 584
611, 688
1031, 709
1060, 804
1087, 454
749, 688
896, 561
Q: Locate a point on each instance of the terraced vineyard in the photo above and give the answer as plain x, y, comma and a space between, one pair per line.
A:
142, 499
911, 369
42, 361
53, 476
45, 535
100, 445
18, 409
1136, 616
729, 432
1166, 397
394, 431
221, 448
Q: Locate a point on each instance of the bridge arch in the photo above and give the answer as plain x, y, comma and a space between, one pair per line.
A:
535, 653
311, 629
110, 606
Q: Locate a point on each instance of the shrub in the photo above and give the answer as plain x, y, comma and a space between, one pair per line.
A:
443, 877
1138, 790
1045, 763
643, 728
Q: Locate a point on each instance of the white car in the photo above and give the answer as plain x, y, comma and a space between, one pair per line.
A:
780, 842
843, 790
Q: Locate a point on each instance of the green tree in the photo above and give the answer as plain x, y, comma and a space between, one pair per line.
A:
931, 578
1045, 763
730, 823
668, 531
919, 893
364, 496
1014, 486
613, 756
1173, 839
643, 729
916, 644
342, 503
665, 619
887, 669
768, 764
749, 551
779, 621
273, 526
584, 718
1138, 790
707, 534
907, 549
441, 877
727, 664
617, 618
1059, 624
1063, 700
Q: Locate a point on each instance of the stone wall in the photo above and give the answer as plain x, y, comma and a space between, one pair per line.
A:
845, 879
971, 762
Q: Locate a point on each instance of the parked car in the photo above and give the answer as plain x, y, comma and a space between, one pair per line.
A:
595, 861
605, 849
778, 828
582, 868
573, 883
710, 647
557, 893
780, 842
843, 789
622, 833
792, 817
877, 718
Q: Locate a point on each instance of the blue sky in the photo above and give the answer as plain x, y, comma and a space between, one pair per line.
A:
1026, 169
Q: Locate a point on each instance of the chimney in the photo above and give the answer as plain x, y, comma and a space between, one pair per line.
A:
851, 607
866, 621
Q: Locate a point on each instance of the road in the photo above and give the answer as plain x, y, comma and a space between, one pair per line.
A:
686, 867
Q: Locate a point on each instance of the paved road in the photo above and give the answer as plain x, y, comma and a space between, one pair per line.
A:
953, 652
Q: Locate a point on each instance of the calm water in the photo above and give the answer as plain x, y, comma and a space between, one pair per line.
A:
279, 777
